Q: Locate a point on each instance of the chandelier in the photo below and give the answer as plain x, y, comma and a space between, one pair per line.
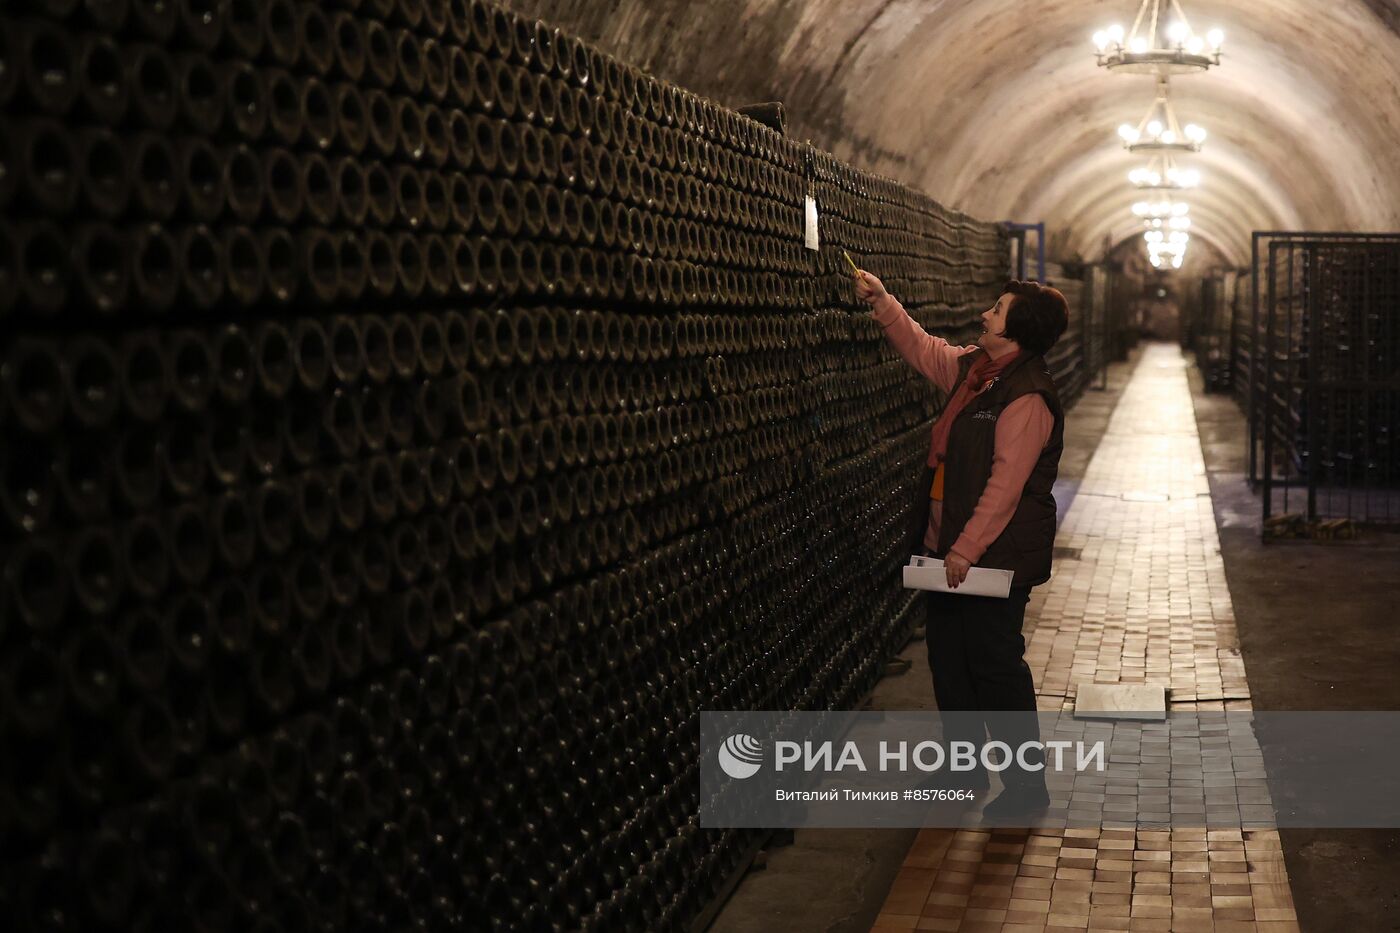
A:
1161, 208
1162, 174
1170, 249
1180, 222
1159, 131
1155, 46
1160, 42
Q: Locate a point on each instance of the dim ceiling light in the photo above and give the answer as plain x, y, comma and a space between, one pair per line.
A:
1160, 42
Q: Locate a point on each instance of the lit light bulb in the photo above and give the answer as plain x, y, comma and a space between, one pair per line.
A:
1180, 223
1153, 236
1100, 39
1141, 209
1177, 31
1115, 32
1156, 179
1177, 236
1194, 45
1195, 133
1176, 261
1154, 128
1136, 176
1155, 260
1215, 37
1169, 137
1185, 178
1129, 133
1138, 45
1180, 209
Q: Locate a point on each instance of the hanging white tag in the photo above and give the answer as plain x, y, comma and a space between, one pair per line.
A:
813, 241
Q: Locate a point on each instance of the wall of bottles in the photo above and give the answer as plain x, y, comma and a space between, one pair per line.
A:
412, 417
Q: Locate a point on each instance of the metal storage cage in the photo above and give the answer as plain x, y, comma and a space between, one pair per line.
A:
1324, 385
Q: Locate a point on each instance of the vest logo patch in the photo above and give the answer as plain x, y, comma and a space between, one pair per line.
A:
984, 416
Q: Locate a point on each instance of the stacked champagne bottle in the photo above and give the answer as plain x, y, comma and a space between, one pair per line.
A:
412, 417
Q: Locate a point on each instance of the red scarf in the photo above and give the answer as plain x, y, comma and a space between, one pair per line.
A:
978, 375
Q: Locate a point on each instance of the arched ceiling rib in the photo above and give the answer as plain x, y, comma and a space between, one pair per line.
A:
996, 108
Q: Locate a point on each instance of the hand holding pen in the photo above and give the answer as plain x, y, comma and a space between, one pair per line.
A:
869, 289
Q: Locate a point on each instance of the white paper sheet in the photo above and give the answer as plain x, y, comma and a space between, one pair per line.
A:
928, 573
812, 240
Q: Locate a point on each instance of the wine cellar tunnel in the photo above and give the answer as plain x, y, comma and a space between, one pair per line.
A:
414, 413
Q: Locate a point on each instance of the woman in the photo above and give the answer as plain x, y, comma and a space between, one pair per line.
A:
986, 500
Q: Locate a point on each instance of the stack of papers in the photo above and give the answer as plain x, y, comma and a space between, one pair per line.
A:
927, 573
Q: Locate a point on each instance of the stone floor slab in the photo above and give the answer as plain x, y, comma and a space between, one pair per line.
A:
1120, 701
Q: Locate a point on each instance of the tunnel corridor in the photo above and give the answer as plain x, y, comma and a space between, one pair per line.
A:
420, 418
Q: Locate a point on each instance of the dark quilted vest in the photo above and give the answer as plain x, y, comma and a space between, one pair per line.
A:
1025, 545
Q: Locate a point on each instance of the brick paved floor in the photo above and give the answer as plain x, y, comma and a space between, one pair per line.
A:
1139, 596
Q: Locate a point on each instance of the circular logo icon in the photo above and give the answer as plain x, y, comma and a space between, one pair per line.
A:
741, 756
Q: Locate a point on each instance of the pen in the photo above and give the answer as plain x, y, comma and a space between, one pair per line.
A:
854, 268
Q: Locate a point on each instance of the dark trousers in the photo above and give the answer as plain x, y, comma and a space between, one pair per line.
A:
976, 654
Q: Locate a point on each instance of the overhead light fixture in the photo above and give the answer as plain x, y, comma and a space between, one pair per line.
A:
1161, 42
1159, 131
1162, 174
1174, 242
1160, 258
1166, 250
1163, 207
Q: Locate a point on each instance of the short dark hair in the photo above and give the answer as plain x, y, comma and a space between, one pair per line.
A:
1038, 315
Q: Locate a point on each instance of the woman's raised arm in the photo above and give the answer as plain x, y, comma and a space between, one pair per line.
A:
932, 356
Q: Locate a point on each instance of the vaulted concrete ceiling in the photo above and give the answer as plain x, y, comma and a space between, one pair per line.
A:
996, 107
